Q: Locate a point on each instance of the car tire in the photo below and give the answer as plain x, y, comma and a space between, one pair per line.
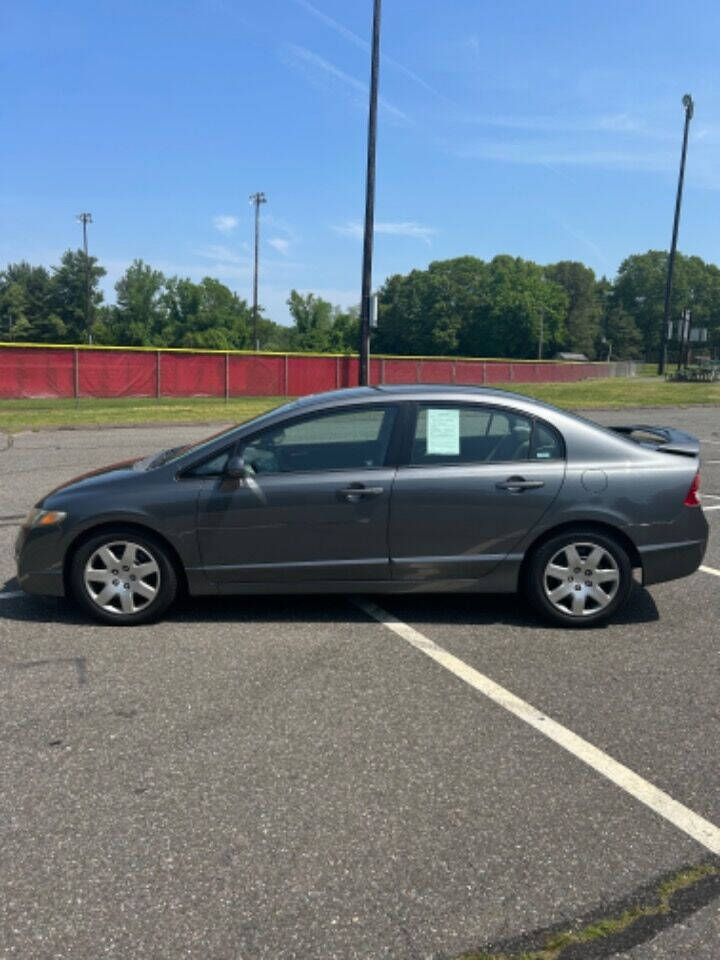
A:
123, 577
579, 578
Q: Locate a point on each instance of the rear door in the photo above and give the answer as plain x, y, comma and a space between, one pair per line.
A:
477, 479
314, 506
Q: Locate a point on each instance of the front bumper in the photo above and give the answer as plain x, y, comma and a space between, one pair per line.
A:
39, 560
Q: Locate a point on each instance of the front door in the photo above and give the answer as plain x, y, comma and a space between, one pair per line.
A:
314, 506
478, 479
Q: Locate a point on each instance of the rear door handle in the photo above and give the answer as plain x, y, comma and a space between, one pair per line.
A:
353, 494
518, 484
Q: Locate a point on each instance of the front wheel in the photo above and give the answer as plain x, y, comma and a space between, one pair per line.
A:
123, 577
579, 579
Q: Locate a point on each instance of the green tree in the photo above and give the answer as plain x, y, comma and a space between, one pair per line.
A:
67, 293
468, 306
139, 315
584, 315
25, 312
640, 288
273, 336
346, 329
431, 311
204, 315
518, 302
312, 322
14, 322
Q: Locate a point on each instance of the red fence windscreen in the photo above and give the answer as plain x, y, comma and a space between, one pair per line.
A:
39, 371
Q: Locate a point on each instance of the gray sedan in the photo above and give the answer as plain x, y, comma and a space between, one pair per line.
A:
402, 489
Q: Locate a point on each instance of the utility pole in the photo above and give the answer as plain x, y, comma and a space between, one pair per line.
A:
85, 219
542, 331
687, 102
364, 373
257, 199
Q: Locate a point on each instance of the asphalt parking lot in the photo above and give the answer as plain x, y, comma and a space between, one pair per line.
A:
288, 778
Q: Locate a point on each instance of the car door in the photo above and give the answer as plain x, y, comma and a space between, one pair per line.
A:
477, 478
313, 507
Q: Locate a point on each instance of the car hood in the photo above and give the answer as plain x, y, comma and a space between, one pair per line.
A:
123, 470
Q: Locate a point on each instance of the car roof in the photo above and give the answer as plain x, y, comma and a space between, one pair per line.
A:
417, 391
406, 390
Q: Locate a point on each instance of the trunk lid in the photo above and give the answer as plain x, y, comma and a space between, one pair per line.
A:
662, 439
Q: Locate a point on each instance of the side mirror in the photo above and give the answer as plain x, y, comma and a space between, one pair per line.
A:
236, 469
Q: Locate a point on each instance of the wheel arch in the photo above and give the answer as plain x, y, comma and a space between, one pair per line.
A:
598, 526
139, 528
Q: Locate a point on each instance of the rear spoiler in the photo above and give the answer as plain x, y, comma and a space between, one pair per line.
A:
664, 439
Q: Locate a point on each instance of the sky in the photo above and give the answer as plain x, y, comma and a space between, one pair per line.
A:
546, 130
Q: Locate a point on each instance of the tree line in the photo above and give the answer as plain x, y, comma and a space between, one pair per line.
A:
506, 307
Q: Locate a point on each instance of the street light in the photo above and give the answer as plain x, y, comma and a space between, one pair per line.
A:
364, 371
257, 199
689, 107
85, 219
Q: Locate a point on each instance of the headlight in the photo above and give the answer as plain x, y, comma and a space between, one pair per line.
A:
44, 518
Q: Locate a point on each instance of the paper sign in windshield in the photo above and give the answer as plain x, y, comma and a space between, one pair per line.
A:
443, 432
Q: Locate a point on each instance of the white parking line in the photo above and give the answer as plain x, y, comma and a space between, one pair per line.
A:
710, 496
695, 826
11, 593
711, 570
711, 508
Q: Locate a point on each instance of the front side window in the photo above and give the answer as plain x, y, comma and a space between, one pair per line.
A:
470, 434
212, 467
341, 440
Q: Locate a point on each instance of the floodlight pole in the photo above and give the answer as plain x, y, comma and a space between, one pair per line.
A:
85, 219
257, 199
364, 365
689, 106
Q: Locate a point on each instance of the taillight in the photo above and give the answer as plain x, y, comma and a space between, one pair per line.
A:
692, 499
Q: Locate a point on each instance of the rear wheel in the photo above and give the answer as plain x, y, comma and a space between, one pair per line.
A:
579, 579
123, 577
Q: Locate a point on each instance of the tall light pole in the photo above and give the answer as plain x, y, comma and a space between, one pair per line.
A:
687, 102
257, 199
85, 219
542, 330
364, 372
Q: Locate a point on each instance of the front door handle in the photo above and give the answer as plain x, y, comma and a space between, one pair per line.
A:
355, 493
518, 484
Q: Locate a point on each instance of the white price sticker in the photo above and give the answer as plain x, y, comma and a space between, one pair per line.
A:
443, 432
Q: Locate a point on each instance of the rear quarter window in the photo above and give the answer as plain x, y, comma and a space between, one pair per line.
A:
547, 443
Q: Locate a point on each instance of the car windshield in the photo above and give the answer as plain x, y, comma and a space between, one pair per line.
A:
163, 457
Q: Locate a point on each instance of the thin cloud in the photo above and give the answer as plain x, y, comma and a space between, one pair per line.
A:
364, 45
302, 57
408, 228
550, 154
280, 244
585, 240
608, 123
216, 251
225, 223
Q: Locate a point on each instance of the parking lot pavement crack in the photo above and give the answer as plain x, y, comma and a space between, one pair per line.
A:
79, 664
617, 927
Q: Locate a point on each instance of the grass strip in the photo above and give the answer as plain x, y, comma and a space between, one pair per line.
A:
17, 415
559, 942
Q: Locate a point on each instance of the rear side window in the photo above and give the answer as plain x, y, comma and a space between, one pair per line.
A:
469, 434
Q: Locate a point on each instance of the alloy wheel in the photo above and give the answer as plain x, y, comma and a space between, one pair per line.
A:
581, 579
122, 577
